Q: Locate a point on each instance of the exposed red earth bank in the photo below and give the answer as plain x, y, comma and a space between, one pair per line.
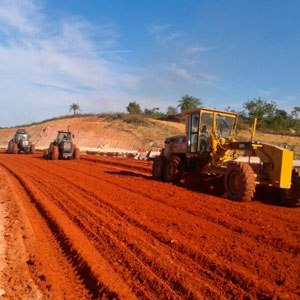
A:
98, 132
101, 228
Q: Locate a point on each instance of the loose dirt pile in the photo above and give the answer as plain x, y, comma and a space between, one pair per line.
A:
101, 228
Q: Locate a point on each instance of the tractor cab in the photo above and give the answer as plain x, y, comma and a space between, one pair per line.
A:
21, 134
207, 129
20, 143
63, 136
62, 147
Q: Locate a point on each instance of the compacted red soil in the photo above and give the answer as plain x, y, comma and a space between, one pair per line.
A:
100, 228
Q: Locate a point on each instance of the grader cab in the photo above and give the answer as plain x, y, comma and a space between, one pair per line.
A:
209, 147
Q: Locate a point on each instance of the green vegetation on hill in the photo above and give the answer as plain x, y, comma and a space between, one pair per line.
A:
270, 117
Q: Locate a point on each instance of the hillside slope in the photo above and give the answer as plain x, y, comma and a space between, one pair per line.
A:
124, 133
102, 133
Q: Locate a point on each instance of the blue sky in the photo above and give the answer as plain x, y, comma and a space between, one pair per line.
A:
105, 53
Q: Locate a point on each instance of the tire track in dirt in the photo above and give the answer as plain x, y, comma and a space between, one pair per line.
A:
35, 252
236, 224
82, 269
175, 282
172, 281
147, 222
278, 280
131, 164
108, 239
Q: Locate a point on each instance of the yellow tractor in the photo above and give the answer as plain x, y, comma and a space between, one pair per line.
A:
209, 147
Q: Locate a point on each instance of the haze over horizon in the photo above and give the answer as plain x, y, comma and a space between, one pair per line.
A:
103, 54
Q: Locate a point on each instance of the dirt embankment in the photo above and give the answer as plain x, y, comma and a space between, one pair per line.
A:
94, 132
101, 228
124, 134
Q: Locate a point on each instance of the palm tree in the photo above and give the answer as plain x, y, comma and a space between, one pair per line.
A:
75, 108
189, 102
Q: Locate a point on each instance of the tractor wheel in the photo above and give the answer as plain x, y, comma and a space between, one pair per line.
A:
46, 154
54, 153
158, 167
173, 169
76, 154
291, 197
14, 148
239, 181
32, 149
9, 148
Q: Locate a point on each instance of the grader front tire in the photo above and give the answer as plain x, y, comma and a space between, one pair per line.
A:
173, 170
239, 182
291, 197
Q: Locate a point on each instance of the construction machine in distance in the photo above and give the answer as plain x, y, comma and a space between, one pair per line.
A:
209, 147
62, 147
21, 143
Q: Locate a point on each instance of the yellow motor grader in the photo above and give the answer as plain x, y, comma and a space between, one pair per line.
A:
209, 147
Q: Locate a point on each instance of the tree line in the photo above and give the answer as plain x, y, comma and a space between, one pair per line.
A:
185, 103
271, 118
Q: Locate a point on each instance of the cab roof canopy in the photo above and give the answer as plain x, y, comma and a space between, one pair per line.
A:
21, 131
197, 110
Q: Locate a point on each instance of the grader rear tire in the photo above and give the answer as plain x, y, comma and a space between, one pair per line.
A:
15, 148
173, 169
55, 153
239, 182
291, 197
158, 167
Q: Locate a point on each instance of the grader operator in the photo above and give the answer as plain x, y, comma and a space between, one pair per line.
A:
209, 147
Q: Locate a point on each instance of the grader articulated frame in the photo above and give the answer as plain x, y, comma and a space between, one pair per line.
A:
209, 147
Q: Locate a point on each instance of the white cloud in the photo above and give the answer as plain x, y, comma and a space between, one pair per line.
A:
19, 14
179, 71
198, 49
45, 64
266, 92
209, 77
188, 74
164, 33
172, 36
155, 29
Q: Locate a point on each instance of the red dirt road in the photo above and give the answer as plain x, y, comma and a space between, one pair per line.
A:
101, 228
